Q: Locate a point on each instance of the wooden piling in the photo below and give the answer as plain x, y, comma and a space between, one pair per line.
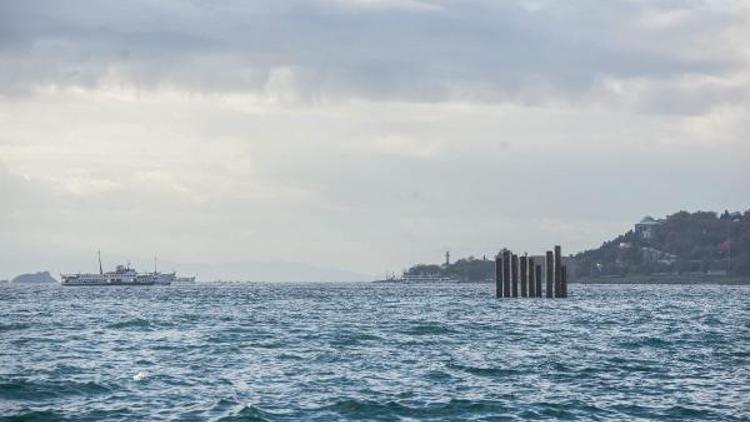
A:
549, 271
532, 278
558, 271
520, 276
538, 277
499, 276
514, 275
524, 261
506, 273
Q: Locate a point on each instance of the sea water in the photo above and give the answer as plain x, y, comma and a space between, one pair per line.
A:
365, 351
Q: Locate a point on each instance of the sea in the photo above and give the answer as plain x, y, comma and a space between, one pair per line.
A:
359, 351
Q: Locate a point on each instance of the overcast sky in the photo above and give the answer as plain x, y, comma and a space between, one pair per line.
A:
361, 134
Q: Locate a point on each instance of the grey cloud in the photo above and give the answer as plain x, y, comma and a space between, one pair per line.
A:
361, 184
477, 51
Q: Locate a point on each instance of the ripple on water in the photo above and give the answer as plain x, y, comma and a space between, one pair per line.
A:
20, 389
352, 338
390, 410
427, 329
134, 323
648, 341
35, 415
485, 371
250, 413
15, 326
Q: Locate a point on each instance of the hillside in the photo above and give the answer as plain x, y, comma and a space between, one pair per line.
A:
697, 243
684, 242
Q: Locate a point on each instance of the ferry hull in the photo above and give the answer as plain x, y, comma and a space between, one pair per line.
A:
123, 283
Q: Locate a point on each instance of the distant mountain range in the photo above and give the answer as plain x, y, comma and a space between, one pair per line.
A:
273, 271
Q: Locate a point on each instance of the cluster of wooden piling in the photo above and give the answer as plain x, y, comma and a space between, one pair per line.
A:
509, 266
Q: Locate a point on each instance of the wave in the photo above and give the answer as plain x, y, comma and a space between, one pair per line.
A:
354, 339
131, 323
454, 408
33, 416
676, 412
139, 324
645, 342
567, 409
290, 356
247, 413
482, 371
14, 326
429, 328
30, 390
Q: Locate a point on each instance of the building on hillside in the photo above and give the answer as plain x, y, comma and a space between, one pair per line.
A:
645, 229
655, 256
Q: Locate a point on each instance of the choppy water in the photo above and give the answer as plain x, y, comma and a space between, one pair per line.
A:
356, 351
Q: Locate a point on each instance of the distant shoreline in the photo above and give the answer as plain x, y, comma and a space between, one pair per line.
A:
689, 279
665, 279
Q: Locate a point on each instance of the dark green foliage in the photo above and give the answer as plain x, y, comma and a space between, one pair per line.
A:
465, 269
683, 242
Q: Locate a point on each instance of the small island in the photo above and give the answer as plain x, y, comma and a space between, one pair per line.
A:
42, 277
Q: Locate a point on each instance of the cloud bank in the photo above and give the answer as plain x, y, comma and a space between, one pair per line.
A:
526, 51
364, 134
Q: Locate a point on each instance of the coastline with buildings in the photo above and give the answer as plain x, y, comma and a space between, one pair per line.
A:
682, 248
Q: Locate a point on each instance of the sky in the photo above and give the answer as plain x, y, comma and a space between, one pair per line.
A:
362, 135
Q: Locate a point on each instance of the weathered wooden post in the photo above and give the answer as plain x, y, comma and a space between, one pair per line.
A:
549, 271
564, 282
506, 273
514, 275
558, 271
538, 276
524, 260
532, 278
499, 275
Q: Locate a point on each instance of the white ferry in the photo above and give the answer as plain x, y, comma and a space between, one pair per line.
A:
163, 279
121, 276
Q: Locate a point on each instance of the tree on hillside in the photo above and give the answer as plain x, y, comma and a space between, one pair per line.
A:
699, 241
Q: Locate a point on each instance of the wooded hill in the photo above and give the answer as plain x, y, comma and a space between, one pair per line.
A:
464, 269
684, 242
